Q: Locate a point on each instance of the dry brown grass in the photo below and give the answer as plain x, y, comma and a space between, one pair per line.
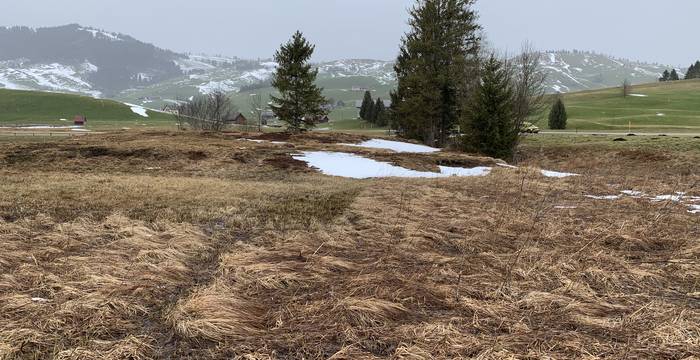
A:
243, 253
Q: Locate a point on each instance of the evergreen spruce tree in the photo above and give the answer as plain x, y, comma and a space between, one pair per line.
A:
691, 73
666, 76
300, 100
490, 123
558, 116
371, 113
366, 103
674, 75
435, 69
380, 115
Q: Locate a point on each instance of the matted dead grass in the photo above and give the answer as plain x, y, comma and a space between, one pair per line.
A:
231, 255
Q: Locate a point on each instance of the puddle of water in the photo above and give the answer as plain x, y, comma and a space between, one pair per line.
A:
357, 167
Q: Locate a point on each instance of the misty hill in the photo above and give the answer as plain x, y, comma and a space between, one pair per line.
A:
98, 63
80, 59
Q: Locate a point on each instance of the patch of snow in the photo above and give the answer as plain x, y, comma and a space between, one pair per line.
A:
396, 146
660, 114
224, 85
675, 198
639, 95
603, 197
694, 209
40, 300
100, 33
357, 167
556, 174
140, 110
563, 207
632, 193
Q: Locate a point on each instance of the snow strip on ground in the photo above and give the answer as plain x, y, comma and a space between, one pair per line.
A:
556, 174
357, 167
397, 146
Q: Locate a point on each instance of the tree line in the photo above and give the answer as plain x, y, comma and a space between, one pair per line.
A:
451, 89
373, 112
692, 73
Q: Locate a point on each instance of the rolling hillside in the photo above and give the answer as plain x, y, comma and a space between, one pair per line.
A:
670, 106
18, 108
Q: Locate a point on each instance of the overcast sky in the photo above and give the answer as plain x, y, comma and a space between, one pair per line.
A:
647, 30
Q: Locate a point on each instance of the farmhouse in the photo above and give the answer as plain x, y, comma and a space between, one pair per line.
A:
236, 118
79, 120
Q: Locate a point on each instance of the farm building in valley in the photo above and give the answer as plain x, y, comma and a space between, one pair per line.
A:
80, 120
237, 119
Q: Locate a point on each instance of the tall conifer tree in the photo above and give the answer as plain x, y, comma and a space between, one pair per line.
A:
300, 100
558, 116
366, 103
436, 69
490, 124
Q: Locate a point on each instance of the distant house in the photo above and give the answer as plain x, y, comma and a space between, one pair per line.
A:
360, 88
237, 119
321, 119
79, 120
267, 116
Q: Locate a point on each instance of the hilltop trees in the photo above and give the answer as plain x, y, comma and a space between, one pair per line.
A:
669, 76
558, 116
674, 75
436, 68
693, 71
300, 100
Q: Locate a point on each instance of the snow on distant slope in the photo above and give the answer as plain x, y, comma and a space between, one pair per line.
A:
52, 77
574, 71
100, 33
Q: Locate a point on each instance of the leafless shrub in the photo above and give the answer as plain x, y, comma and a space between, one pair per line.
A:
205, 112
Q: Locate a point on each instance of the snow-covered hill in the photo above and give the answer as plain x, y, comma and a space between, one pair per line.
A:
98, 63
570, 71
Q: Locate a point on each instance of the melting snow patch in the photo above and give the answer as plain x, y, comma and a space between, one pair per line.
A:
397, 146
508, 166
632, 193
694, 209
660, 114
140, 110
639, 95
603, 197
556, 174
675, 198
357, 167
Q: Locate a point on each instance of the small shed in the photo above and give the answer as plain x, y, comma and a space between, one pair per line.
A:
237, 118
79, 120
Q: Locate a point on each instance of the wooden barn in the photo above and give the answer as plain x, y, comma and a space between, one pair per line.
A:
80, 120
237, 119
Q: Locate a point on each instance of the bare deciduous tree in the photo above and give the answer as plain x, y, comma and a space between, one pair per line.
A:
204, 112
626, 88
257, 109
528, 84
